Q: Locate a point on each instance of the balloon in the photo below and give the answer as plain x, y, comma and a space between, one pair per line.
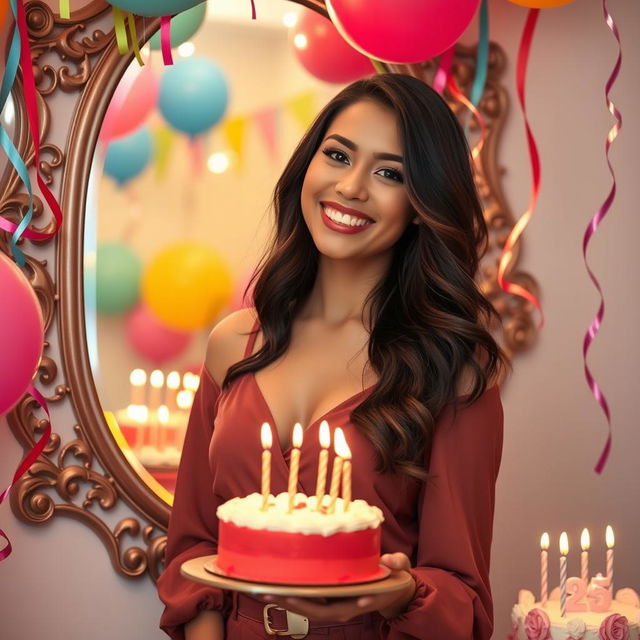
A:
183, 26
193, 95
128, 157
134, 99
323, 52
541, 4
152, 339
186, 286
402, 31
21, 334
118, 271
155, 7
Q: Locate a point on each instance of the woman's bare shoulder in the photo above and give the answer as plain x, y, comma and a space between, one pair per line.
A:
227, 342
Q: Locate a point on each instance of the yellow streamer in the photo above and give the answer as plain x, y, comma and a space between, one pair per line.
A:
134, 38
121, 31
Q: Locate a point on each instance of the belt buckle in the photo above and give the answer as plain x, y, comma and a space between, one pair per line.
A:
297, 625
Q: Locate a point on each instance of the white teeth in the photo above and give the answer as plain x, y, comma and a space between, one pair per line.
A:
345, 218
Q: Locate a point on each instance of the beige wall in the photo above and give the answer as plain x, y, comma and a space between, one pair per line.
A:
553, 428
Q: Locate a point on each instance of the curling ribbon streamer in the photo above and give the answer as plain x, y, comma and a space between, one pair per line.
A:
453, 88
27, 461
29, 89
165, 40
64, 10
594, 327
253, 10
134, 38
121, 30
523, 221
482, 61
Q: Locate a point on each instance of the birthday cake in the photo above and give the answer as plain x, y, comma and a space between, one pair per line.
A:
303, 546
534, 621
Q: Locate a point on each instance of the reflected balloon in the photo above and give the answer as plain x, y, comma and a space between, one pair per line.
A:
118, 272
21, 334
183, 26
128, 157
186, 286
193, 95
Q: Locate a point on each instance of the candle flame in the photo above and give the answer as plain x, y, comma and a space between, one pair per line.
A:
163, 414
297, 435
190, 381
340, 444
564, 543
156, 379
265, 436
544, 541
184, 399
137, 377
325, 435
173, 380
585, 541
609, 537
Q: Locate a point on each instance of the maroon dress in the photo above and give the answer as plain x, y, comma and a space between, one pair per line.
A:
444, 526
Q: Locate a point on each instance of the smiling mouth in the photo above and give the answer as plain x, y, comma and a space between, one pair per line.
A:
345, 219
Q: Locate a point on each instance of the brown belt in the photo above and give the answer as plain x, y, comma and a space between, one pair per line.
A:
281, 622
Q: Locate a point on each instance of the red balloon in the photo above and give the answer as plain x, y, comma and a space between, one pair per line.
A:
21, 334
323, 52
402, 31
152, 339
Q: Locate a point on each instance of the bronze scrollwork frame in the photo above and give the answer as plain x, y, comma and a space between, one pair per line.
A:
78, 58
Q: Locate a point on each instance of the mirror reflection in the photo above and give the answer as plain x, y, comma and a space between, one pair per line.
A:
178, 209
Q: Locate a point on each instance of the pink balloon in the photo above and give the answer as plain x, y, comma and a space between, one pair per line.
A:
21, 334
402, 31
134, 99
152, 339
324, 53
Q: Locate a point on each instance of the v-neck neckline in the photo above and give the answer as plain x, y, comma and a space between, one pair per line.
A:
312, 424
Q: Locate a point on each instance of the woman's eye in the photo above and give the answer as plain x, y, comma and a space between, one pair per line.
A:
391, 174
335, 154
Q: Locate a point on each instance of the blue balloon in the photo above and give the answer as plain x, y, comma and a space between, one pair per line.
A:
155, 7
193, 95
128, 156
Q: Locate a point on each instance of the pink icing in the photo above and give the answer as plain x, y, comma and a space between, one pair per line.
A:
536, 625
614, 627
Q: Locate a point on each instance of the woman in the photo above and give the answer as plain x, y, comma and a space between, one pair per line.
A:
366, 315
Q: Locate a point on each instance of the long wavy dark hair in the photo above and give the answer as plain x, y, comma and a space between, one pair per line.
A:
428, 318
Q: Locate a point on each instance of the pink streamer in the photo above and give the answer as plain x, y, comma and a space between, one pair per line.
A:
444, 69
27, 461
594, 327
165, 39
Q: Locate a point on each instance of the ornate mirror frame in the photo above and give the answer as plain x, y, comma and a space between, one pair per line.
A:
79, 59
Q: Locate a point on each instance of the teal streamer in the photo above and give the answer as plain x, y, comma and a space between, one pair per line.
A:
8, 80
482, 64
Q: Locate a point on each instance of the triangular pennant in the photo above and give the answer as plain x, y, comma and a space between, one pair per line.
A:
267, 121
303, 108
234, 130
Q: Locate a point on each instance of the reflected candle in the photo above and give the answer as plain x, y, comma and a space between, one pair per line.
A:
544, 570
584, 556
609, 539
564, 550
137, 380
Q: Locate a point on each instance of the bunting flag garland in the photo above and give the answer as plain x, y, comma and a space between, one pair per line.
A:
507, 253
267, 121
234, 132
303, 108
595, 222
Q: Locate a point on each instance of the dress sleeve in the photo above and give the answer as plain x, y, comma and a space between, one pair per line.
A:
192, 524
453, 596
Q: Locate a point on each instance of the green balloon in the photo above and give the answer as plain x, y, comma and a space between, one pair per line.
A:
183, 26
118, 272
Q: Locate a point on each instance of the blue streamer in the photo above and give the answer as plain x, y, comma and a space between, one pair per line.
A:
8, 80
482, 64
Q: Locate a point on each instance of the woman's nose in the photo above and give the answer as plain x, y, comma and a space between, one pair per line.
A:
352, 185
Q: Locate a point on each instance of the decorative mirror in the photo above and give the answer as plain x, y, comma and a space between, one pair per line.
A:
105, 465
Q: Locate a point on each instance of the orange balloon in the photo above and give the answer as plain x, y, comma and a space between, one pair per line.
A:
540, 4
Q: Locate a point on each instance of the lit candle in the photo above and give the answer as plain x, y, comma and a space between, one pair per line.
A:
156, 379
137, 380
584, 556
323, 460
163, 421
610, 542
336, 474
295, 465
544, 569
184, 400
171, 391
266, 439
343, 449
564, 550
190, 381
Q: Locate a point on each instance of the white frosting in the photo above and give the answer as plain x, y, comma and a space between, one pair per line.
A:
582, 626
247, 512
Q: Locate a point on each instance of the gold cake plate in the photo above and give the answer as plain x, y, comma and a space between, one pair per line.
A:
205, 570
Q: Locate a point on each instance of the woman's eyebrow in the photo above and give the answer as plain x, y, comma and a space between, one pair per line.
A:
354, 147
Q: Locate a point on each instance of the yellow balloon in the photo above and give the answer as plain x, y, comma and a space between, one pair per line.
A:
186, 286
541, 4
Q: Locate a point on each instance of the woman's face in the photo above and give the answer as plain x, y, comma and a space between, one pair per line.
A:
354, 199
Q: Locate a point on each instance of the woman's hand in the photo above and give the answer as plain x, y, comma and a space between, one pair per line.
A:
387, 604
